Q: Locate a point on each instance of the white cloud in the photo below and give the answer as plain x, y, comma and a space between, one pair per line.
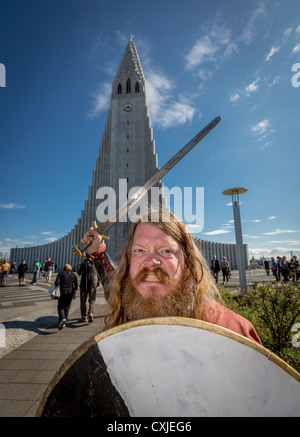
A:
281, 231
11, 206
272, 52
50, 239
101, 100
274, 81
165, 109
252, 87
217, 232
246, 91
259, 252
230, 204
214, 47
261, 127
234, 97
47, 233
273, 217
298, 29
296, 49
250, 29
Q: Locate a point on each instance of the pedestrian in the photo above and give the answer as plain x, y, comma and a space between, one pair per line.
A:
267, 266
88, 285
5, 267
275, 268
162, 273
67, 281
215, 268
225, 269
36, 272
279, 267
48, 269
285, 269
22, 269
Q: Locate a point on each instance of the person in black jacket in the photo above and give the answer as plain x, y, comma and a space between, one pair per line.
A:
22, 269
67, 281
88, 285
215, 267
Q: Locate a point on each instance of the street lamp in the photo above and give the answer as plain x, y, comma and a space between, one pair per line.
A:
234, 193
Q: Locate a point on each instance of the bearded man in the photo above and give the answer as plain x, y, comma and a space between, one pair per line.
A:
162, 273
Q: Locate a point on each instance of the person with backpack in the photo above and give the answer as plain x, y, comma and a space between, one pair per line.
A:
67, 281
88, 285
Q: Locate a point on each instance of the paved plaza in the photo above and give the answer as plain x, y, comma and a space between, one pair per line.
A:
34, 349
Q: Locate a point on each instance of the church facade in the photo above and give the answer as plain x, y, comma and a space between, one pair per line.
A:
127, 159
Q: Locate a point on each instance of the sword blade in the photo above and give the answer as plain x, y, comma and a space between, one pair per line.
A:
104, 227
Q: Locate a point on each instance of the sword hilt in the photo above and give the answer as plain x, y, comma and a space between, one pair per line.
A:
79, 250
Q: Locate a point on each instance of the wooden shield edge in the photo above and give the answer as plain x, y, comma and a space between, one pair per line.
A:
183, 321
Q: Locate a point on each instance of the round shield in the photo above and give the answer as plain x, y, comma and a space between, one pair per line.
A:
172, 367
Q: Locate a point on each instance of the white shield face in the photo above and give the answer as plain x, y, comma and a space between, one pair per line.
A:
176, 367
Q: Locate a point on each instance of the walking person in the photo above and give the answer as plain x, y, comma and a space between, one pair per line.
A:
275, 268
22, 269
285, 269
48, 269
5, 267
67, 281
36, 272
88, 287
279, 267
267, 266
215, 268
225, 269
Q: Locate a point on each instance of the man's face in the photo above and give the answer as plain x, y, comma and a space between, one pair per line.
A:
153, 249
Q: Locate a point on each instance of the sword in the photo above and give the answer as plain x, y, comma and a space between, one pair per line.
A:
104, 227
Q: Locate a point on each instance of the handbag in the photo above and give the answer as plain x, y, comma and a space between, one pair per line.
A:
54, 291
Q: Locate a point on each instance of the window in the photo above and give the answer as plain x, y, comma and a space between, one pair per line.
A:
137, 87
119, 89
128, 86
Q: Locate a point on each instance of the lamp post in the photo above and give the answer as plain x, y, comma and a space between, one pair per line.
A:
234, 193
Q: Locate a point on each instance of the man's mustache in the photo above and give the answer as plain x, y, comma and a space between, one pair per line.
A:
158, 272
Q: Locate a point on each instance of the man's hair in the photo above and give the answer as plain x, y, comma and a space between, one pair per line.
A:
67, 267
193, 260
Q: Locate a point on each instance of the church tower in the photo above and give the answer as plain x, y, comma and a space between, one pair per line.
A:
127, 150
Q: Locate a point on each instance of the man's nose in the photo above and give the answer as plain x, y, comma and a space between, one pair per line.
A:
152, 260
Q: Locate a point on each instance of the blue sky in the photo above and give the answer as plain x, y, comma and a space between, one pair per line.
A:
201, 59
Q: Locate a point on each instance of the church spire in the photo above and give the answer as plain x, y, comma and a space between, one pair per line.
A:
130, 77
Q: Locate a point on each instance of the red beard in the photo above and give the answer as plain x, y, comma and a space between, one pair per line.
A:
178, 302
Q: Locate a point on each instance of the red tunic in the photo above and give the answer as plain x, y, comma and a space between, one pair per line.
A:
216, 313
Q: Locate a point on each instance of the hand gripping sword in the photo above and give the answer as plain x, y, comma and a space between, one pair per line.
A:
104, 227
